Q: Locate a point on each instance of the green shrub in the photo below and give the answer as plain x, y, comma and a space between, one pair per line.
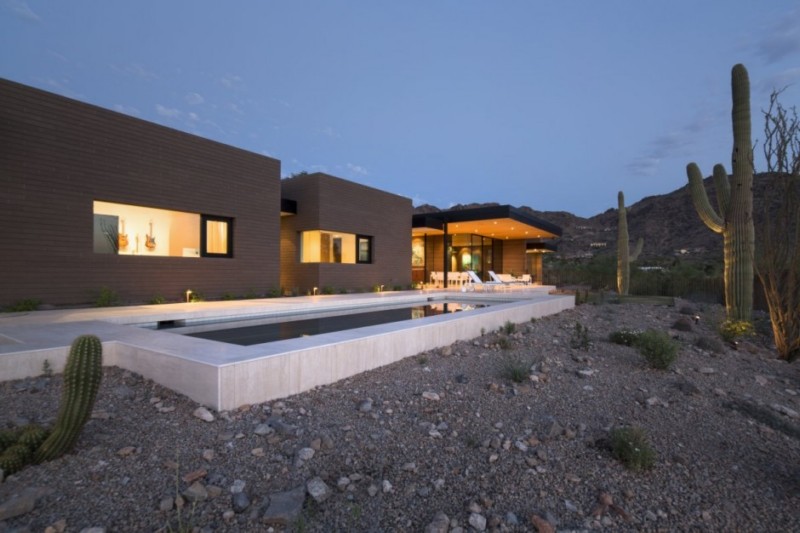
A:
508, 328
228, 296
328, 290
106, 298
515, 369
29, 304
580, 337
710, 344
626, 337
505, 343
682, 324
731, 330
158, 300
631, 446
658, 348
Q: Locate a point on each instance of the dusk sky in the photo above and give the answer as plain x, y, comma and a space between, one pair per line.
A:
555, 105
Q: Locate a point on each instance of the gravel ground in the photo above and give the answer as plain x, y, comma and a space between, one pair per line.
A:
443, 441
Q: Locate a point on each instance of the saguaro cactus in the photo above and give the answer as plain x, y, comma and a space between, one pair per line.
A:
624, 257
82, 375
735, 200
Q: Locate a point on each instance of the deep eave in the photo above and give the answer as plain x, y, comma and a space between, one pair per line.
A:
499, 222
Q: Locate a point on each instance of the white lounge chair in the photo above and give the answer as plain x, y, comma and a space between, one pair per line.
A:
475, 282
507, 279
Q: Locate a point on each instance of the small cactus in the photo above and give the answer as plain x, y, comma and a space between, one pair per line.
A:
82, 375
624, 256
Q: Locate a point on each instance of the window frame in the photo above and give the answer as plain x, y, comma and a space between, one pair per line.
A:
204, 219
370, 249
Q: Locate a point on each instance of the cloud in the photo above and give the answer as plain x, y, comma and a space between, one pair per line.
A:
194, 117
135, 70
231, 81
782, 39
128, 110
780, 80
644, 166
671, 144
167, 111
327, 131
21, 10
231, 106
357, 169
194, 99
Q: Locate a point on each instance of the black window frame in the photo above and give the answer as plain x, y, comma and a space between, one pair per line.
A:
370, 250
203, 235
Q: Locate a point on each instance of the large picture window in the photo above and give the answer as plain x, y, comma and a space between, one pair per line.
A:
125, 229
318, 246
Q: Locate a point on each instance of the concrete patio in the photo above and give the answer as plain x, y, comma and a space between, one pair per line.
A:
225, 376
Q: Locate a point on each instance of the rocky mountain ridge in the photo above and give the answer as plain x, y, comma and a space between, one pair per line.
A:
668, 223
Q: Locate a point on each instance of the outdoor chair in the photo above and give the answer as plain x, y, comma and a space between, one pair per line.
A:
475, 282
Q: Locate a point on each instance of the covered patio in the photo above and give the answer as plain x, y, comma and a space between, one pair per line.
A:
504, 239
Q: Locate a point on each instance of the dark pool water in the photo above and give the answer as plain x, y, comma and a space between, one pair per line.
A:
259, 334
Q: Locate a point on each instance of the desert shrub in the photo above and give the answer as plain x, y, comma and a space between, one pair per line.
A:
631, 446
686, 310
709, 344
229, 296
157, 300
505, 343
28, 304
515, 369
731, 330
580, 337
626, 337
658, 348
508, 328
106, 298
328, 289
682, 324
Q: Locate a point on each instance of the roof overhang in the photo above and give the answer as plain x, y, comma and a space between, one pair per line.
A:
539, 247
498, 222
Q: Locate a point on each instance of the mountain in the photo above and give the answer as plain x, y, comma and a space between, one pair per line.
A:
668, 223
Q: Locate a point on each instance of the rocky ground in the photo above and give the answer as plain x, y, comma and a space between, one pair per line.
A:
443, 441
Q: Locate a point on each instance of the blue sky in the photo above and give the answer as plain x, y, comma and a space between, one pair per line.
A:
556, 105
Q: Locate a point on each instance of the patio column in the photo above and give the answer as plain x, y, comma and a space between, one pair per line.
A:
445, 258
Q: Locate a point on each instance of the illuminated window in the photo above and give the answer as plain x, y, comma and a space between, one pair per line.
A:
216, 236
364, 249
319, 246
124, 229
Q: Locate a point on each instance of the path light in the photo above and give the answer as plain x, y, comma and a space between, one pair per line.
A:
188, 295
696, 319
314, 291
381, 289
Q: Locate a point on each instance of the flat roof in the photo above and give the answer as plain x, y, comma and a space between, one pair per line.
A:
499, 222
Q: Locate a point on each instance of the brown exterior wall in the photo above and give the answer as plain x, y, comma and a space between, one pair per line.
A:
58, 155
329, 203
513, 260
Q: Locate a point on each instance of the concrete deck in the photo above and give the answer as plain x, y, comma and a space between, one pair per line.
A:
225, 376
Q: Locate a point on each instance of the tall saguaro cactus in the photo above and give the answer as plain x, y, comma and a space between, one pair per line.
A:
735, 200
624, 256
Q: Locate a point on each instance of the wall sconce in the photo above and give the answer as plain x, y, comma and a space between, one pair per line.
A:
188, 296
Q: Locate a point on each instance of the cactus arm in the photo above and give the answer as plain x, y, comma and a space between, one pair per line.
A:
633, 256
700, 200
723, 188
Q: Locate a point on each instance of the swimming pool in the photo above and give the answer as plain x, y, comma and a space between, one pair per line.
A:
271, 329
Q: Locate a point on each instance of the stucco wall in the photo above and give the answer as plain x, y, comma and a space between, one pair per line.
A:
59, 155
